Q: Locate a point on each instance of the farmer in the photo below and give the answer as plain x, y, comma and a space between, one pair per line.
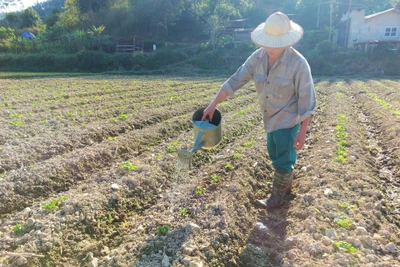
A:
286, 95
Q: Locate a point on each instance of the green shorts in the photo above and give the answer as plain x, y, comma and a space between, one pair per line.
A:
281, 150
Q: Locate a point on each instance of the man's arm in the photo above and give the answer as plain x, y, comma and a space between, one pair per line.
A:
300, 139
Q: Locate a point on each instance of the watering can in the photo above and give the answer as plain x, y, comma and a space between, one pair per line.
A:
207, 133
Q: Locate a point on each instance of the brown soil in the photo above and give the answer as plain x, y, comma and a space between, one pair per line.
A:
66, 198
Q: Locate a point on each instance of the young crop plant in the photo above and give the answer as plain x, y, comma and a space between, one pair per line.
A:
112, 138
343, 222
228, 167
248, 144
123, 117
128, 166
54, 203
16, 116
16, 123
183, 212
199, 190
162, 230
215, 178
385, 105
342, 245
241, 112
235, 156
341, 136
18, 228
173, 147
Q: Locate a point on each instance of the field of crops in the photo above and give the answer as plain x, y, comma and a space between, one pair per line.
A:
88, 176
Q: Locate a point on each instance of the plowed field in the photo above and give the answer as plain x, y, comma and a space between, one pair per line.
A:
88, 176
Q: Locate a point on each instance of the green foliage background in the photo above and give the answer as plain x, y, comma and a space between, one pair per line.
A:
80, 36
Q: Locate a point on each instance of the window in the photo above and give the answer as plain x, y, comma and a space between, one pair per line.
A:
391, 31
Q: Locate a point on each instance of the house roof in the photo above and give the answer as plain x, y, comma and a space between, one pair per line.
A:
379, 13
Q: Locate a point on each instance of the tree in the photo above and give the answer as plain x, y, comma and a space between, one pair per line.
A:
30, 18
95, 34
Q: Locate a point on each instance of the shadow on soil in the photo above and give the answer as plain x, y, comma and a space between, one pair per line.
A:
265, 244
154, 251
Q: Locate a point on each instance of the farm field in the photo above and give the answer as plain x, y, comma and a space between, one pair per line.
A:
88, 176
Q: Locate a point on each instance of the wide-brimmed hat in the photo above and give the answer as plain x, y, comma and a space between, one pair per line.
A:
276, 32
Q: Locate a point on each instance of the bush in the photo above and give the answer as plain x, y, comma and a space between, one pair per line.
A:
95, 61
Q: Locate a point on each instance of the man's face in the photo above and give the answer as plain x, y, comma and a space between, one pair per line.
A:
274, 52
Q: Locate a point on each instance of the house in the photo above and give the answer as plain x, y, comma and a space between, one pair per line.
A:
356, 30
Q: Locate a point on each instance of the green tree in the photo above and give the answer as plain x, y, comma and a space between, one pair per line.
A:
6, 33
96, 34
30, 18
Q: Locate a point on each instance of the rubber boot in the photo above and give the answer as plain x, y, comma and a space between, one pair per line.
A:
281, 187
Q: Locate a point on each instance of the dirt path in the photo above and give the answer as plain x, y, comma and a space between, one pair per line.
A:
100, 191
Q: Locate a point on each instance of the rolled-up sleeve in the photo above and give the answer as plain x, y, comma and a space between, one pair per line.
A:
306, 92
242, 76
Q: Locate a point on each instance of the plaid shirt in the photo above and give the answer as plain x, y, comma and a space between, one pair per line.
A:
286, 92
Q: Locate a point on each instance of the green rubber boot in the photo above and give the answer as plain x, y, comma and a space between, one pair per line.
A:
281, 187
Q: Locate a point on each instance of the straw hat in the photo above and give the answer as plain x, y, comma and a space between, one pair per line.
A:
276, 32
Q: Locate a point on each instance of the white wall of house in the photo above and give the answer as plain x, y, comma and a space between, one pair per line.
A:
372, 28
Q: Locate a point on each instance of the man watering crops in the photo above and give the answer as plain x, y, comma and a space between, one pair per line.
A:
286, 94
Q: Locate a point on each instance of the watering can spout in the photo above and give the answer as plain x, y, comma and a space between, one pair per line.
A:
198, 143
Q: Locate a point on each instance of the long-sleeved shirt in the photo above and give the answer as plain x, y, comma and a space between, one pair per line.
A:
285, 92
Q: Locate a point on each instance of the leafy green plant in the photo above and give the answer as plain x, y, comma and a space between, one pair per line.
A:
241, 112
235, 156
228, 167
16, 116
342, 245
343, 222
112, 138
54, 203
122, 117
248, 144
173, 147
199, 190
70, 114
16, 123
215, 178
128, 166
184, 211
18, 228
162, 230
341, 136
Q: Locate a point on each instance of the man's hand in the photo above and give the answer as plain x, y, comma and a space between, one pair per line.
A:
300, 140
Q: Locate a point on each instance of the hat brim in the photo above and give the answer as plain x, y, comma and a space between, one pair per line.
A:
263, 39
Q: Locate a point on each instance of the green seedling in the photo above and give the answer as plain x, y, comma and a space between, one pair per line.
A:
248, 144
18, 229
235, 156
122, 117
228, 167
16, 123
112, 138
70, 114
162, 230
342, 245
184, 211
199, 191
215, 178
54, 203
241, 112
16, 116
343, 222
173, 147
128, 166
